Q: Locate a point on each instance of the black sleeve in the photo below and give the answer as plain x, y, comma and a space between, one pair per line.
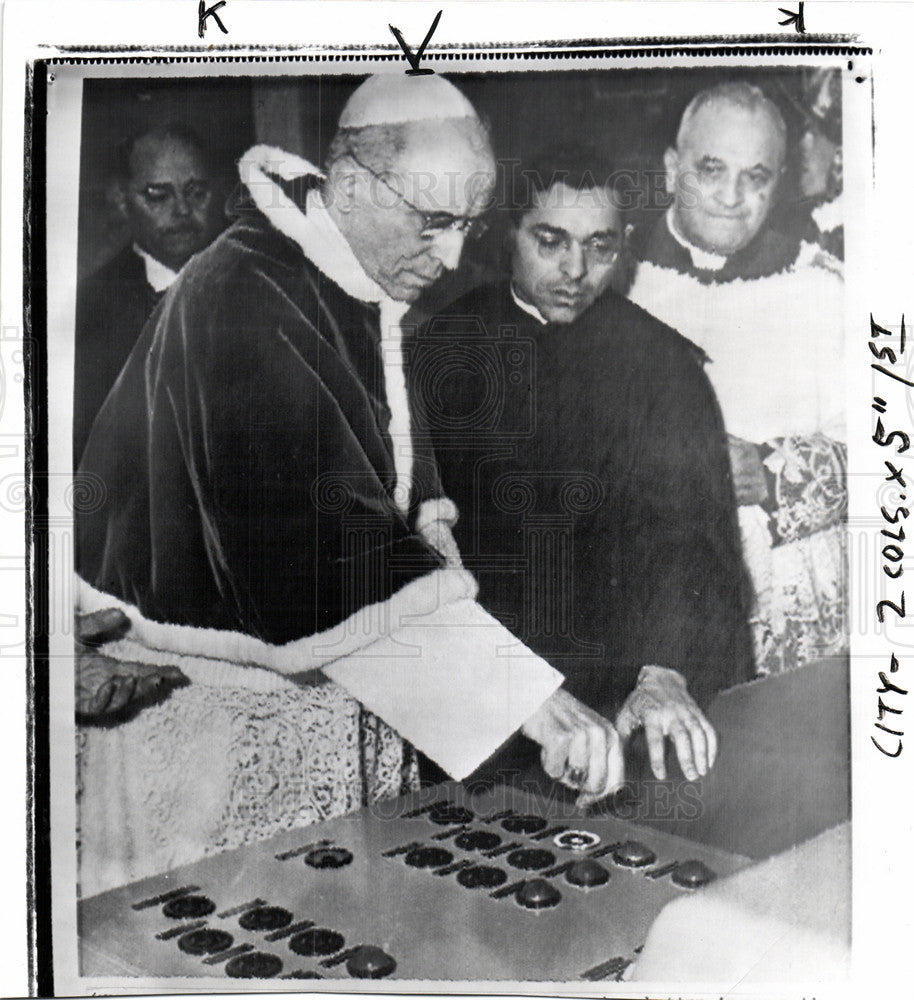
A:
110, 315
680, 558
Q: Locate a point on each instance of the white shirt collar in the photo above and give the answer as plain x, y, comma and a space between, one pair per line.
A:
157, 274
702, 259
527, 308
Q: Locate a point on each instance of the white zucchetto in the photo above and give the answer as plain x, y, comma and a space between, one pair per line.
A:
398, 98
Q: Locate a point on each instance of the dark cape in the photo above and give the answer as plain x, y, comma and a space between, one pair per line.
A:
112, 306
770, 252
244, 453
590, 468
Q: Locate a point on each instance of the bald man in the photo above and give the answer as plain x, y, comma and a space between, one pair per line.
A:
273, 527
767, 310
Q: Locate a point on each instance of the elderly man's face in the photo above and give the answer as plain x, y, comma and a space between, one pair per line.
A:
564, 251
724, 176
168, 202
409, 223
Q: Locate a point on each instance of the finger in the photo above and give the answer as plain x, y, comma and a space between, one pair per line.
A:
699, 742
554, 756
600, 738
578, 763
615, 770
597, 743
101, 626
98, 704
653, 732
615, 773
626, 722
174, 675
711, 736
160, 685
124, 689
151, 688
683, 744
586, 799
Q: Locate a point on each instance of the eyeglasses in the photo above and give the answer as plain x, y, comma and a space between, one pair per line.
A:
434, 224
598, 249
195, 192
711, 170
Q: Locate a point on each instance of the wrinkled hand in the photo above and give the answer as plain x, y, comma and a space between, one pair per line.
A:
749, 480
663, 706
111, 691
579, 747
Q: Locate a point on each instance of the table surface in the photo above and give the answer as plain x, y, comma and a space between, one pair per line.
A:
783, 769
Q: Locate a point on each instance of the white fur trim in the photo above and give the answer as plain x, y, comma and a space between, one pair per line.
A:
429, 661
434, 521
315, 232
223, 650
829, 215
439, 509
400, 429
210, 671
325, 246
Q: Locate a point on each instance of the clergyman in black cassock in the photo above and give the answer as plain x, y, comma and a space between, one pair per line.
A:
589, 464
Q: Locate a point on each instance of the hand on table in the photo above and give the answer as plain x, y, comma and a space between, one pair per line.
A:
111, 691
749, 480
662, 705
579, 747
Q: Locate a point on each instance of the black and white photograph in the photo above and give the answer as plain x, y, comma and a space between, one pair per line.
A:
449, 576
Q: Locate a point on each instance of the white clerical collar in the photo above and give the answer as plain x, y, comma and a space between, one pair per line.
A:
157, 274
702, 259
527, 308
313, 230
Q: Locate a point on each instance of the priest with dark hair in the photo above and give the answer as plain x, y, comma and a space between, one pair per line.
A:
584, 448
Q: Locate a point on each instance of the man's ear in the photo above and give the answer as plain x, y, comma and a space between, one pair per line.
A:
342, 183
119, 198
509, 243
671, 165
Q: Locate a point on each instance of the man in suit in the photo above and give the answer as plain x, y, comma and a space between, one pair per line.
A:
164, 194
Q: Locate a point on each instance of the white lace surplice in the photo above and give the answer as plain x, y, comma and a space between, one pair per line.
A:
214, 768
777, 366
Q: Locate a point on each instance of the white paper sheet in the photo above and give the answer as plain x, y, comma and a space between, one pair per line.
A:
455, 683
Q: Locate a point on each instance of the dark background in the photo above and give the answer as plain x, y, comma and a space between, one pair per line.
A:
630, 115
